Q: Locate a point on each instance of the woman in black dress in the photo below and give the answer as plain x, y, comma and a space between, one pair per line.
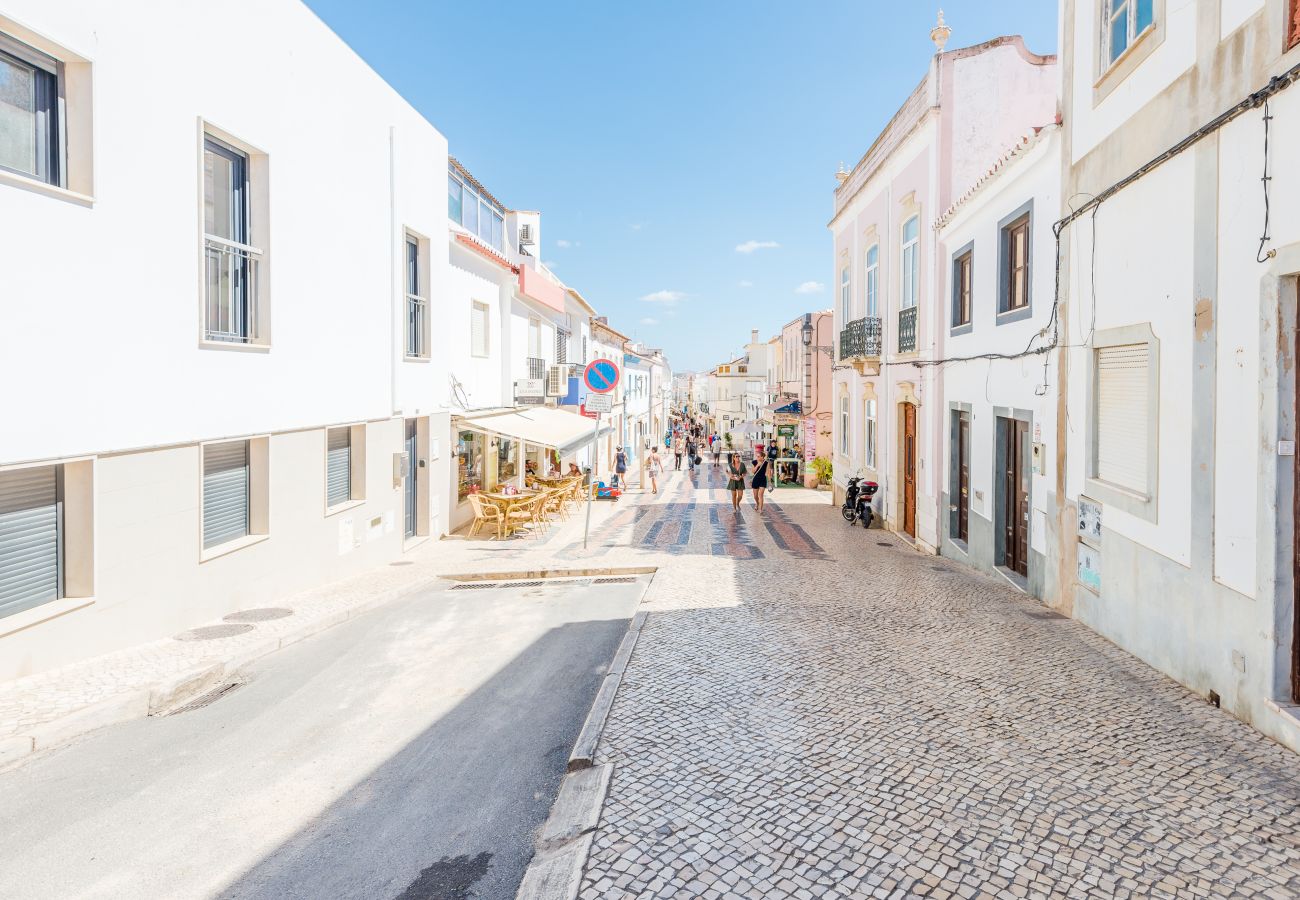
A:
736, 480
759, 482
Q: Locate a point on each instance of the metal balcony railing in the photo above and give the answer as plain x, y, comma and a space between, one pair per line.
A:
907, 330
417, 313
861, 338
230, 297
536, 367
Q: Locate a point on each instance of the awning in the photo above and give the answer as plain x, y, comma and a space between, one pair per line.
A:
545, 426
785, 407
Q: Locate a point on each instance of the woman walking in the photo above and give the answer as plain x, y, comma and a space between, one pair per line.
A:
654, 468
679, 447
736, 480
759, 482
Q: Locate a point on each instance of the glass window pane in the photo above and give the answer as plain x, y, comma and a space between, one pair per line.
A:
873, 255
17, 116
412, 267
497, 231
1119, 34
453, 199
470, 218
484, 220
911, 229
223, 193
1146, 14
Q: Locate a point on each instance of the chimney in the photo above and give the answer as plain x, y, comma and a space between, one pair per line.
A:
753, 336
939, 34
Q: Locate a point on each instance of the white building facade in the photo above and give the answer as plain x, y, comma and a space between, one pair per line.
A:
267, 416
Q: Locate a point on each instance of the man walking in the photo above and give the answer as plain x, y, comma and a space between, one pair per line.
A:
678, 446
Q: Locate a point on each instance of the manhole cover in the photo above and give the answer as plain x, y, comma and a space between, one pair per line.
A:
213, 632
619, 580
268, 614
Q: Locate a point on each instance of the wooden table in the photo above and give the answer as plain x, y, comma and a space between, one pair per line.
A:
506, 502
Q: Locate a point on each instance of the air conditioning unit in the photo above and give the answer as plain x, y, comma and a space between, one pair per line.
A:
526, 236
557, 381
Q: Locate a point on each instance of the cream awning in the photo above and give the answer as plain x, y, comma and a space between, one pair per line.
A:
546, 426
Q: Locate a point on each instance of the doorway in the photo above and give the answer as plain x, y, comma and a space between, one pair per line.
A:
1014, 456
411, 490
909, 470
961, 465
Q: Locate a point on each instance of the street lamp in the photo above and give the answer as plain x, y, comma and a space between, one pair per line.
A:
806, 332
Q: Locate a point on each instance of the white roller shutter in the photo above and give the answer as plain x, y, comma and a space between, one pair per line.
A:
225, 492
1123, 409
338, 468
478, 330
29, 538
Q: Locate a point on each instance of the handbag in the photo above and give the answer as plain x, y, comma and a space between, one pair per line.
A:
697, 459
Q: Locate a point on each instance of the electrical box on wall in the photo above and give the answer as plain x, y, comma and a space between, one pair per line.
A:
401, 466
1038, 456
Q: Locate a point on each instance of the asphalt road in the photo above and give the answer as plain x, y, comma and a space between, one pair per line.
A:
411, 753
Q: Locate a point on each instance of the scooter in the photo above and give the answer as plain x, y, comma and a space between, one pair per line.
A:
857, 501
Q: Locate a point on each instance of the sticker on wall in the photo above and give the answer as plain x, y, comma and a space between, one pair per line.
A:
1089, 520
1090, 568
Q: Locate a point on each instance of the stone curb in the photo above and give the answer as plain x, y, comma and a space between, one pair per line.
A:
175, 688
555, 872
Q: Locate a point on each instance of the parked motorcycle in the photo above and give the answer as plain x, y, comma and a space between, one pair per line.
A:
857, 501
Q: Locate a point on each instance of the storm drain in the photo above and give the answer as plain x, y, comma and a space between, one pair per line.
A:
213, 632
883, 544
207, 699
266, 614
626, 579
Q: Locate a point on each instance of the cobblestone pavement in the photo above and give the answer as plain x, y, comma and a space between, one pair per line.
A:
815, 710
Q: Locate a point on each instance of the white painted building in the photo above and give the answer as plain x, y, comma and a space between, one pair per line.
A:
253, 405
1178, 336
999, 386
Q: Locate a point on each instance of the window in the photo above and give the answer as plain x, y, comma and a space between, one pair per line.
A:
31, 125
474, 212
470, 447
1122, 411
1293, 29
338, 466
225, 492
846, 298
869, 415
872, 280
1014, 258
417, 304
31, 537
478, 329
231, 311
561, 346
1124, 21
911, 261
963, 267
844, 424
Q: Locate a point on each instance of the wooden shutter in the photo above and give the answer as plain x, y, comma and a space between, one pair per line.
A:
225, 492
1123, 410
338, 466
29, 538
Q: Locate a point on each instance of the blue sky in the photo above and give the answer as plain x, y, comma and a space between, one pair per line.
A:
663, 136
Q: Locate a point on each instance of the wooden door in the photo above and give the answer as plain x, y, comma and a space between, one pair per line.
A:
963, 477
909, 469
1295, 543
1015, 495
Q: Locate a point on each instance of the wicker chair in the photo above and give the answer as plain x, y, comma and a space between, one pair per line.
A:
486, 512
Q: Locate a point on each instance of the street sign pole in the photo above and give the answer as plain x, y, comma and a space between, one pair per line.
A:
591, 488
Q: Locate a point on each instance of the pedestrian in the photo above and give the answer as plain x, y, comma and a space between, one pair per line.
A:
759, 482
679, 447
690, 453
654, 468
716, 443
736, 481
620, 466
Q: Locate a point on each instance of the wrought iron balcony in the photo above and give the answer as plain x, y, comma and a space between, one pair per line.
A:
230, 296
861, 339
907, 330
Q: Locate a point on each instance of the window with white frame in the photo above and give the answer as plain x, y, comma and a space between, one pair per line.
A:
226, 477
31, 115
1123, 22
338, 466
1124, 419
417, 302
846, 297
478, 329
844, 424
473, 211
872, 279
911, 262
869, 416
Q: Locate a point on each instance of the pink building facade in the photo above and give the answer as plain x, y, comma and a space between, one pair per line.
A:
890, 314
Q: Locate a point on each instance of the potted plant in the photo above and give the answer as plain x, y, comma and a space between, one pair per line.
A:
822, 468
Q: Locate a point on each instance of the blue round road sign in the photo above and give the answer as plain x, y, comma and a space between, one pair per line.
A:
600, 376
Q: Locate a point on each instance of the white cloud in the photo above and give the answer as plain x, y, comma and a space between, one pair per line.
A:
635, 226
667, 298
810, 287
649, 321
751, 246
562, 243
746, 284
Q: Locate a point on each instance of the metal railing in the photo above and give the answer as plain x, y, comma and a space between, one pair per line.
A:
907, 330
536, 367
417, 314
861, 338
230, 302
